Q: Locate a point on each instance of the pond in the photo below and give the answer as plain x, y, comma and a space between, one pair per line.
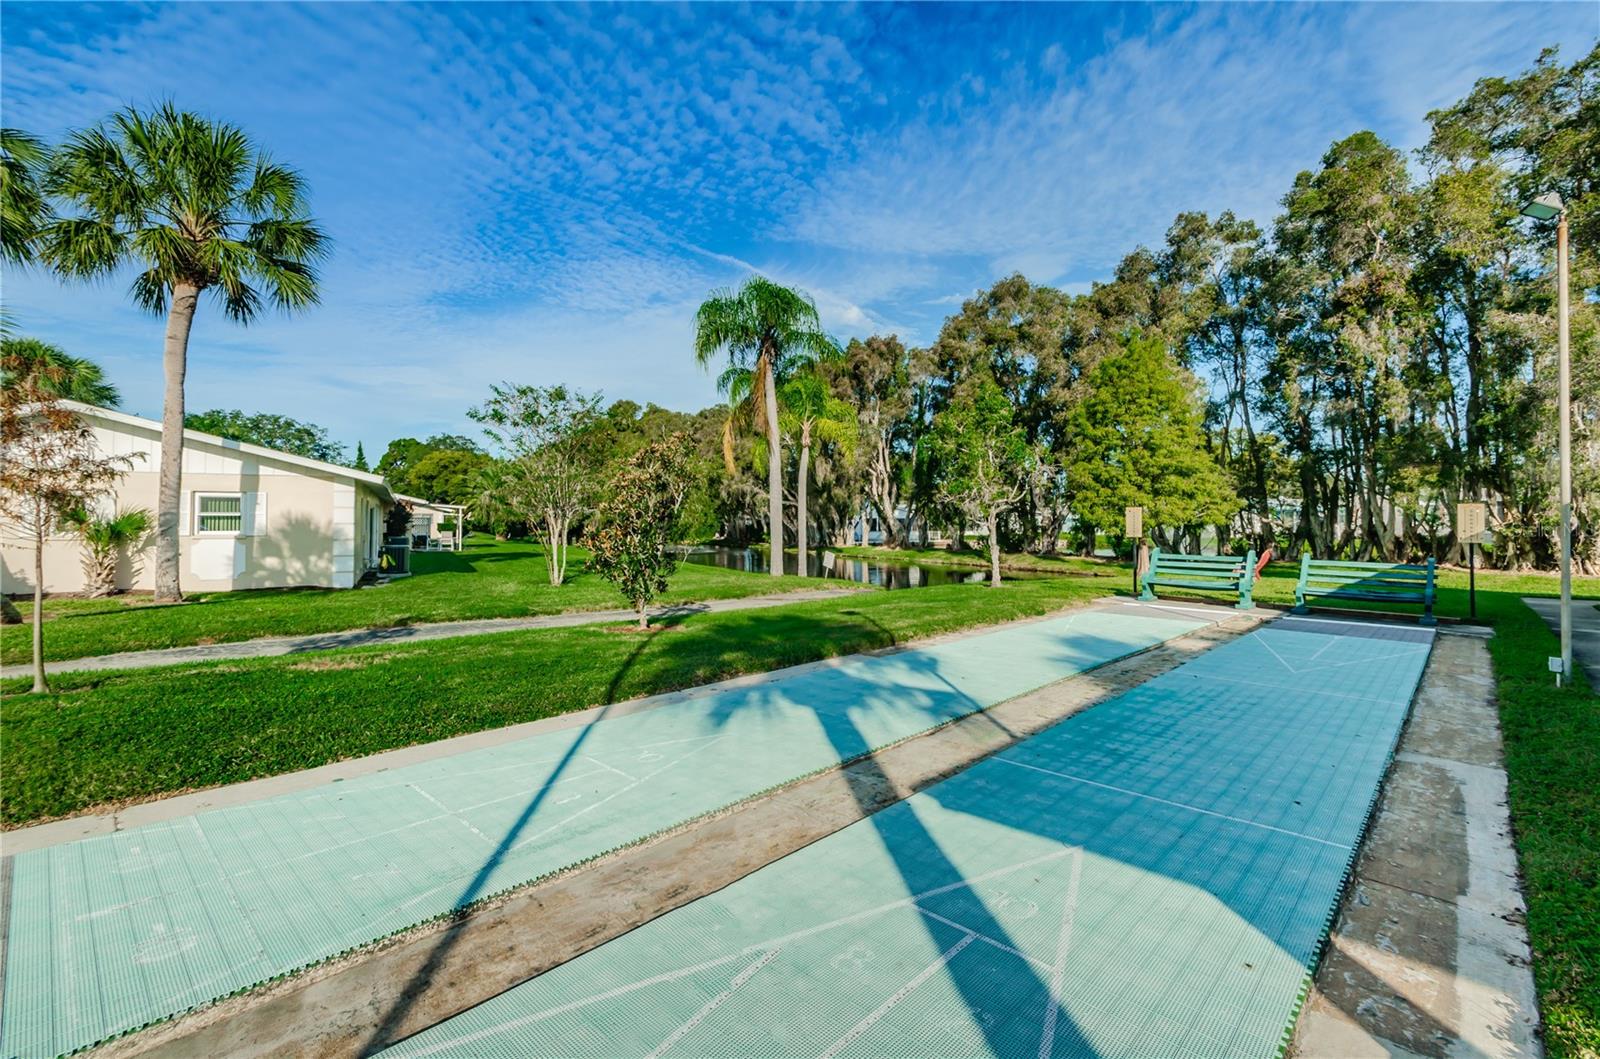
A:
830, 564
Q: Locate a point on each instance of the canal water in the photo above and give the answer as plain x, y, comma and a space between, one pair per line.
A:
829, 564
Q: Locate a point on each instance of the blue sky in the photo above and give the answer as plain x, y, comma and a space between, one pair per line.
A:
544, 193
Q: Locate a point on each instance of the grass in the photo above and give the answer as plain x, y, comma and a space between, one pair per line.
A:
487, 579
1552, 757
114, 737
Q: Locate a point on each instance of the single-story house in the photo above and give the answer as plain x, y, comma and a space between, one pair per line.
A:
252, 517
429, 522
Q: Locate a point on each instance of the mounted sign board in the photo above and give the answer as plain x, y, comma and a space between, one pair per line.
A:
1471, 522
1133, 523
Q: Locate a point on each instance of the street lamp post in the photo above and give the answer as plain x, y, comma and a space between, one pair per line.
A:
1544, 208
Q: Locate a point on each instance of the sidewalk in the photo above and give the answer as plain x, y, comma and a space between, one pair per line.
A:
273, 646
1585, 631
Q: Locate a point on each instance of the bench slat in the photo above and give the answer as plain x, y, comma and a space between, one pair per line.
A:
1372, 582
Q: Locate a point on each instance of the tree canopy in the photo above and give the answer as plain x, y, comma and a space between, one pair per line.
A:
269, 430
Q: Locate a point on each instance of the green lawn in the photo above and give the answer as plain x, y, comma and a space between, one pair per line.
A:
487, 579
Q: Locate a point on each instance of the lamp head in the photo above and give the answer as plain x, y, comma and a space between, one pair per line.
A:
1546, 207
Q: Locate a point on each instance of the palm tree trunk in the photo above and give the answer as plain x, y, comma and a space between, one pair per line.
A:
800, 495
169, 498
38, 610
774, 465
994, 549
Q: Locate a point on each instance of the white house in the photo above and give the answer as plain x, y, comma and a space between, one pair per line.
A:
252, 517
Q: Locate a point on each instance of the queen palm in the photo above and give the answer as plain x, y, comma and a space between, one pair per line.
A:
811, 414
195, 206
762, 326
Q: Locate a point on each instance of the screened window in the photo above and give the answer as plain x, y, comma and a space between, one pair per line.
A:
219, 513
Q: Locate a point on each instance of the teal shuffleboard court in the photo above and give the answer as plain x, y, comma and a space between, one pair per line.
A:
109, 934
1151, 878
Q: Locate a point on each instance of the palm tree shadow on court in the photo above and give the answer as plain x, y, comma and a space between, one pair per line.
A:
921, 862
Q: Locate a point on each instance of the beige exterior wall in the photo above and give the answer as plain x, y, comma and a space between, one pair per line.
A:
300, 526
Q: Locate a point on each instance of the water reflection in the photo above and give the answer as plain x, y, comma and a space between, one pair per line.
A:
831, 564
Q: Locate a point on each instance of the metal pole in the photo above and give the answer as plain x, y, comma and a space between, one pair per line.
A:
1564, 405
1472, 580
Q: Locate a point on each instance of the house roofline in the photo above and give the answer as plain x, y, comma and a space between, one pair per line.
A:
245, 447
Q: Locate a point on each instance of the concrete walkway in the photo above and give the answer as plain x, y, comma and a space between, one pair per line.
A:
1585, 631
273, 646
1430, 956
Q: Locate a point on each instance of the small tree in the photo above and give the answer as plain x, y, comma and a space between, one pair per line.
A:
638, 522
48, 465
1138, 442
984, 460
103, 541
547, 434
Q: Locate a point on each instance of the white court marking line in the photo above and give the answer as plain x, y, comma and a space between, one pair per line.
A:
854, 1032
1168, 606
986, 939
1168, 801
748, 950
1290, 690
405, 827
614, 794
449, 812
1417, 648
1394, 626
715, 1002
602, 764
1263, 642
1058, 971
454, 880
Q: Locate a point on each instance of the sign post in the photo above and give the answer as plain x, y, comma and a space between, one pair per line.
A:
1133, 529
1471, 521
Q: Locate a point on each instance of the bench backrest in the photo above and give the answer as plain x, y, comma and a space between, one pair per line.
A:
1402, 582
1228, 568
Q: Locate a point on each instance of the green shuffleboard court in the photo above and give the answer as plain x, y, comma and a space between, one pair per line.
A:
1151, 878
108, 934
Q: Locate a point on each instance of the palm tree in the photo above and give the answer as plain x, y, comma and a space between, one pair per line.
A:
60, 373
195, 206
103, 541
762, 326
23, 208
814, 414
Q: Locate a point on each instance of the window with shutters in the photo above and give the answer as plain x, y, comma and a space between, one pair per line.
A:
219, 513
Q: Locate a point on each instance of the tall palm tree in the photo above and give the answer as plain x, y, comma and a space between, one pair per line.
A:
196, 207
23, 207
811, 413
59, 373
762, 326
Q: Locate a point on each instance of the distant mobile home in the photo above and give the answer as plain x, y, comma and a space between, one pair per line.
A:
252, 517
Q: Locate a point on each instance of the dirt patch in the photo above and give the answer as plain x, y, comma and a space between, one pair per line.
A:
318, 665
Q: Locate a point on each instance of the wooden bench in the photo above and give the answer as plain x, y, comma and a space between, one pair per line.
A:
1374, 582
1209, 573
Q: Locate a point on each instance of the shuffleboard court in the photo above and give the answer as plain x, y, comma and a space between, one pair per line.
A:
108, 934
1151, 878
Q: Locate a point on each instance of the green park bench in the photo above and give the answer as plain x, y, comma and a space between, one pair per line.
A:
1374, 582
1209, 573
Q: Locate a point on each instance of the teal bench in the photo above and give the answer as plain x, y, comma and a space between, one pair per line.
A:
1374, 582
1209, 573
